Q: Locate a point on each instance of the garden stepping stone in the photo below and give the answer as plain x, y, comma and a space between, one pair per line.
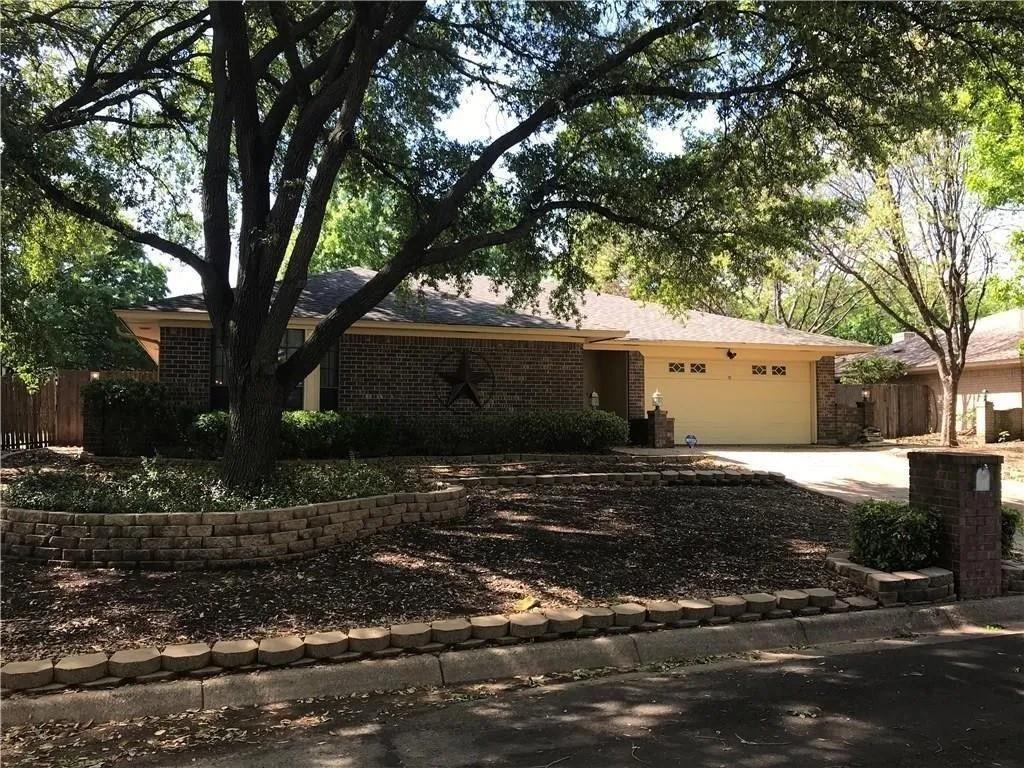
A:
489, 627
759, 602
597, 617
281, 650
792, 599
699, 610
729, 605
368, 639
80, 668
561, 621
233, 653
451, 631
820, 598
664, 611
19, 675
410, 635
135, 662
860, 603
323, 645
185, 658
527, 624
629, 614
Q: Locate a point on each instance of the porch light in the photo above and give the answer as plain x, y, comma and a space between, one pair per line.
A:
656, 399
595, 401
984, 395
866, 393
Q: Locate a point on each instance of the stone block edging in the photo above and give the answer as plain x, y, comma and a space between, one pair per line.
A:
302, 680
648, 478
191, 541
899, 588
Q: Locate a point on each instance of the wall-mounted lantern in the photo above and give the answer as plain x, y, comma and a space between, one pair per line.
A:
595, 401
866, 393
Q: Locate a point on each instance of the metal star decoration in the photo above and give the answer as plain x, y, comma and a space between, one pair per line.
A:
464, 383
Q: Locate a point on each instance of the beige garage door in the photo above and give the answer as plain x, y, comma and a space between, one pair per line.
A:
733, 402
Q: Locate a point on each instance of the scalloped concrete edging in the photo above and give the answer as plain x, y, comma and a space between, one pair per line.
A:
620, 651
193, 541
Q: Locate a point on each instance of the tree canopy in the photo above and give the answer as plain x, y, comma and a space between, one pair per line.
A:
220, 134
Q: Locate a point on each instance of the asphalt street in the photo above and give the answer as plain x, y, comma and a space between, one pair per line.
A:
898, 705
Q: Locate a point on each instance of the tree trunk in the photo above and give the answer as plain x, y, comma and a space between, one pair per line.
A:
256, 405
950, 385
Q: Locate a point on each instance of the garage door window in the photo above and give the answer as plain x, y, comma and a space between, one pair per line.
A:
778, 370
759, 370
677, 367
698, 368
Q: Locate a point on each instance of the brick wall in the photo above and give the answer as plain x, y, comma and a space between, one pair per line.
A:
399, 375
185, 365
945, 483
635, 395
825, 399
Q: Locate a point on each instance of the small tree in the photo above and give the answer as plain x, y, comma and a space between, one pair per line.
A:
873, 369
920, 248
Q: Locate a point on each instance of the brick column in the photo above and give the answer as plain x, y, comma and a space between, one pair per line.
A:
661, 430
825, 400
185, 365
635, 386
948, 484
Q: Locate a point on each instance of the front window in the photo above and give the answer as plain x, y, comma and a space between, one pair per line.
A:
293, 339
329, 380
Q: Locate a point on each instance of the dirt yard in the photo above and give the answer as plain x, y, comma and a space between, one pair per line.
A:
562, 544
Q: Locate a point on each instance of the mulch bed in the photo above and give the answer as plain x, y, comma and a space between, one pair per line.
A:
565, 545
570, 464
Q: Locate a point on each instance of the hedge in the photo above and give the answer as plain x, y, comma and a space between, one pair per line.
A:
893, 537
130, 418
330, 434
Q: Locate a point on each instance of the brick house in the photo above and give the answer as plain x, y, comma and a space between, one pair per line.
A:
725, 380
994, 366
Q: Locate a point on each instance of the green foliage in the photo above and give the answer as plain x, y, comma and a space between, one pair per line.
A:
893, 537
161, 487
328, 434
135, 416
1011, 520
873, 369
360, 230
62, 279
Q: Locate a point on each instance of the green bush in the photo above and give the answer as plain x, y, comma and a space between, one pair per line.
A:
894, 537
130, 418
316, 435
159, 487
1012, 521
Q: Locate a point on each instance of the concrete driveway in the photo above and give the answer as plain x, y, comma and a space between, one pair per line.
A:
851, 474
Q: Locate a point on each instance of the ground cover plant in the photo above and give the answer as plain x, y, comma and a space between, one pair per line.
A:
156, 486
565, 545
893, 537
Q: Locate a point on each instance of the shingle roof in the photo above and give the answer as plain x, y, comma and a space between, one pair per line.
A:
484, 306
995, 339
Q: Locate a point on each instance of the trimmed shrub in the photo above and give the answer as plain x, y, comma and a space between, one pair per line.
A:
1011, 521
130, 418
329, 434
894, 537
159, 487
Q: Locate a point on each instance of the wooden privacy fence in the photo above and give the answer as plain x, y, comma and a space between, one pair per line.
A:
900, 410
53, 414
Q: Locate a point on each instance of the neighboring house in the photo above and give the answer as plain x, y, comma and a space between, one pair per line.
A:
993, 366
727, 381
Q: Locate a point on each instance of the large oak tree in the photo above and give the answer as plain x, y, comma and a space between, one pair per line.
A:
123, 113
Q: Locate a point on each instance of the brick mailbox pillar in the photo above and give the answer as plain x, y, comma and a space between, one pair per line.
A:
965, 489
661, 430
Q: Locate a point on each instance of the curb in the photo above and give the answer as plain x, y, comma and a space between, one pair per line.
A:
623, 651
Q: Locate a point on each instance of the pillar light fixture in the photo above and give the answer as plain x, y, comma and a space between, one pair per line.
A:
595, 401
656, 399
